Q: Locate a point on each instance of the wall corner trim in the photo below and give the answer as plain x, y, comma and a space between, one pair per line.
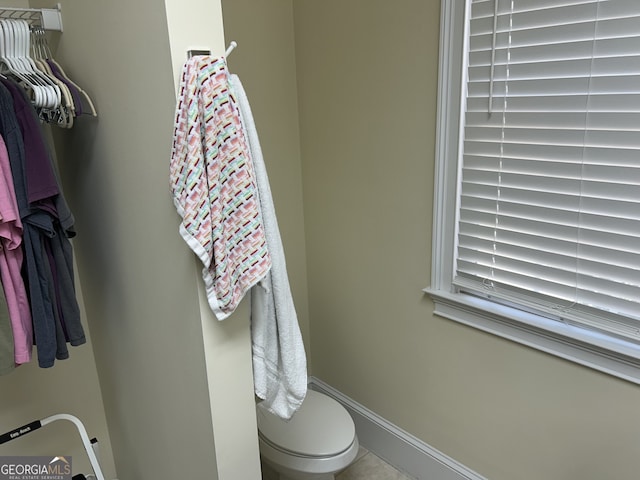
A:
396, 446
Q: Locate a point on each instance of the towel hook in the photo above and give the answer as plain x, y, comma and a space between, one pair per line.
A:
232, 45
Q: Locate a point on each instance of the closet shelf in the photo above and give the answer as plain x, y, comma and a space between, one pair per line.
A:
47, 18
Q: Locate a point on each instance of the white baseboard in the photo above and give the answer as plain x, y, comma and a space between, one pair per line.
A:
397, 447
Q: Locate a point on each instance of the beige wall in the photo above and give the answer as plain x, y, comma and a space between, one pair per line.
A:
71, 386
367, 73
112, 167
176, 383
265, 63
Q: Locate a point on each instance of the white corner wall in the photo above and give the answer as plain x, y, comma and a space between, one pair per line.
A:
227, 344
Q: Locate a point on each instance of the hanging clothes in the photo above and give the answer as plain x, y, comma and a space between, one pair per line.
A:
47, 226
11, 260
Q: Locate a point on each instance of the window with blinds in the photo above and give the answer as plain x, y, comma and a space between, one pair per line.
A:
549, 193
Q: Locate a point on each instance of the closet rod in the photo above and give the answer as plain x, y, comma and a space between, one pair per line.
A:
47, 18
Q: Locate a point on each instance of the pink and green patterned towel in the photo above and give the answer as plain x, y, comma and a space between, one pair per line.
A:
213, 185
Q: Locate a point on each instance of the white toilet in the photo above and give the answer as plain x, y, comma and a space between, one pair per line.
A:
317, 442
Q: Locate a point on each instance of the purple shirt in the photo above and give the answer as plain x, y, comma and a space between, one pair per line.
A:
41, 181
11, 263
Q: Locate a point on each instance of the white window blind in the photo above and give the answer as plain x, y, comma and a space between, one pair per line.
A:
549, 198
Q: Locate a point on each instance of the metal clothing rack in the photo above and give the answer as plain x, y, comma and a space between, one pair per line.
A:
47, 18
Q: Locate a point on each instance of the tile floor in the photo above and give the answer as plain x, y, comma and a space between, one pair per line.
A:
366, 466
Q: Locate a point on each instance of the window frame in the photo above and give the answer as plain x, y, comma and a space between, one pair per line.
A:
570, 342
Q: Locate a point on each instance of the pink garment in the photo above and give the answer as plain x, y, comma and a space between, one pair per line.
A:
11, 263
213, 186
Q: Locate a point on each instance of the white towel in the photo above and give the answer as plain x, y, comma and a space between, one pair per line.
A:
279, 360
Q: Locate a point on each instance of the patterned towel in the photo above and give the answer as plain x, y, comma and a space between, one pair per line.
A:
213, 186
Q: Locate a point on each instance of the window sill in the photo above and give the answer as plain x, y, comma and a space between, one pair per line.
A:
591, 349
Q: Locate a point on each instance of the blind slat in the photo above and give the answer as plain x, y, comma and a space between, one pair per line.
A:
549, 202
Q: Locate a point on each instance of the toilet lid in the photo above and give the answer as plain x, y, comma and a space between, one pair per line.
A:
321, 427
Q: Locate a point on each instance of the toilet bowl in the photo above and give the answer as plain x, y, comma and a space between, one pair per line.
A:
317, 442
